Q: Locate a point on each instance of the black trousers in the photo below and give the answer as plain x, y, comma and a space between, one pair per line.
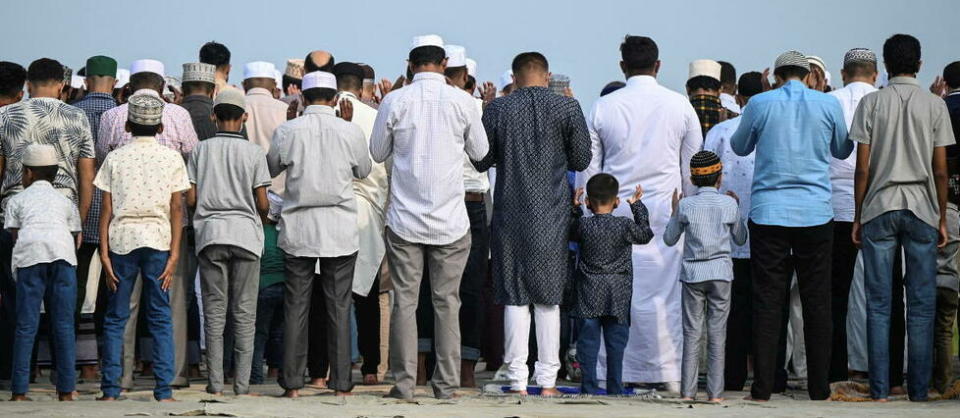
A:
368, 327
772, 248
8, 306
844, 261
739, 327
318, 363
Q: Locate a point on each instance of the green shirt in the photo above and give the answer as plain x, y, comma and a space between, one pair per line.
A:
271, 264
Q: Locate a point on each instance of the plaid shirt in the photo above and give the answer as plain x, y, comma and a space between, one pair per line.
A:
94, 105
708, 109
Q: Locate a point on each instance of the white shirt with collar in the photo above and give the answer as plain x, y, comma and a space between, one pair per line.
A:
45, 220
842, 171
427, 126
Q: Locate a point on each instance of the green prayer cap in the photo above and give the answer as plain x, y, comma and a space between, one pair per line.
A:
101, 65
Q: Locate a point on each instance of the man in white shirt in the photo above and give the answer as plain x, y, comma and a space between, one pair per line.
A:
426, 127
859, 75
646, 134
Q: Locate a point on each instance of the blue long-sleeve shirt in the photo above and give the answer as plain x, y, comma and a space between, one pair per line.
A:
795, 131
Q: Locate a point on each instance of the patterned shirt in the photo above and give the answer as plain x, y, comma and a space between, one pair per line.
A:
94, 105
45, 220
604, 282
43, 121
709, 220
178, 133
708, 109
140, 178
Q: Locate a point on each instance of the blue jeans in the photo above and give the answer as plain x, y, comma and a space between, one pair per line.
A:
148, 263
55, 284
269, 309
615, 337
882, 236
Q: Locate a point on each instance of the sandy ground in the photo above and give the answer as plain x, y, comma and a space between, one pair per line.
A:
368, 401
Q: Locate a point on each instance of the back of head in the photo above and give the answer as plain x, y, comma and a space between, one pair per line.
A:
349, 76
229, 105
860, 63
147, 80
44, 71
602, 188
639, 54
318, 61
790, 65
12, 78
426, 55
612, 87
705, 169
368, 72
529, 62
951, 75
750, 84
901, 55
702, 82
215, 54
728, 74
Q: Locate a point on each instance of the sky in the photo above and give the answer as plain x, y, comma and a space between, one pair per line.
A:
579, 38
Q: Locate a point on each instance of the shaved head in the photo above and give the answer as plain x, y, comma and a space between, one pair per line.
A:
318, 61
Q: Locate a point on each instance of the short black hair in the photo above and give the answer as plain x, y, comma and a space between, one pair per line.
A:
47, 172
612, 87
227, 111
428, 54
728, 74
703, 82
368, 71
791, 71
639, 53
215, 53
951, 74
45, 70
454, 72
901, 54
602, 188
533, 60
318, 93
751, 83
137, 129
12, 77
471, 83
146, 80
194, 87
287, 81
309, 66
349, 76
860, 68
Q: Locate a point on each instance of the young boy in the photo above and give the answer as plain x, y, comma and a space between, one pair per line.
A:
709, 219
604, 284
44, 224
140, 227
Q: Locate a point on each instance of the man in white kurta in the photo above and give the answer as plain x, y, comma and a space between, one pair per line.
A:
645, 134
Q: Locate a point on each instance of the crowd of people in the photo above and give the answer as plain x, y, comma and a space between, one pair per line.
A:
309, 220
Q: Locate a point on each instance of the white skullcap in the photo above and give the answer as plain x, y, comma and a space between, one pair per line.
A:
76, 82
815, 60
456, 56
259, 69
506, 78
40, 155
123, 77
319, 79
426, 40
147, 66
706, 68
471, 67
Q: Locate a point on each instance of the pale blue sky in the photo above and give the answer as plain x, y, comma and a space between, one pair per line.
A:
580, 38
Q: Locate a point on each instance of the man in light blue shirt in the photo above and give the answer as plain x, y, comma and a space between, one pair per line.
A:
795, 131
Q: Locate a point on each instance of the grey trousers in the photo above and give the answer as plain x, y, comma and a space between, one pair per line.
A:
445, 264
229, 281
182, 281
712, 297
336, 280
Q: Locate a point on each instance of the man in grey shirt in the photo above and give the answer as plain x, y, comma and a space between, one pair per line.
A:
321, 155
900, 189
230, 177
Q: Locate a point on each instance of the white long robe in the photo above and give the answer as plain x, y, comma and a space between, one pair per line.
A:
646, 134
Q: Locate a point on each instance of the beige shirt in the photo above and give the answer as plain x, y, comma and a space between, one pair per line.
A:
264, 115
140, 177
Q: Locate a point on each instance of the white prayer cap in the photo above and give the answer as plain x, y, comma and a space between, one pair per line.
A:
706, 68
147, 66
231, 97
259, 69
40, 155
426, 40
123, 77
815, 60
76, 82
471, 67
319, 79
456, 56
506, 78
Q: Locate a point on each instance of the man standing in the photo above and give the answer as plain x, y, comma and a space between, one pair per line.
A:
292, 80
703, 89
859, 75
795, 131
199, 82
646, 134
264, 113
322, 155
901, 201
12, 77
728, 88
217, 55
318, 61
427, 126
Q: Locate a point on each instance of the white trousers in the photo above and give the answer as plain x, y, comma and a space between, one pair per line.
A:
516, 327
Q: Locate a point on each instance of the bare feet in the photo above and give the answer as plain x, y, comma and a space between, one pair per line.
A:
19, 397
167, 400
106, 398
216, 393
549, 392
421, 369
686, 398
881, 400
291, 393
67, 396
467, 379
88, 372
897, 390
342, 393
751, 398
319, 383
370, 379
717, 400
517, 392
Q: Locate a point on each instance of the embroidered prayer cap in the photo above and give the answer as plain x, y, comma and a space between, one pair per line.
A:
123, 77
294, 68
144, 109
147, 66
319, 80
815, 60
101, 65
792, 59
471, 67
456, 56
426, 40
705, 163
859, 56
40, 155
198, 71
231, 97
705, 68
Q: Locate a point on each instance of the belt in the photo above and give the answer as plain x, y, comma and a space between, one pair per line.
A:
473, 197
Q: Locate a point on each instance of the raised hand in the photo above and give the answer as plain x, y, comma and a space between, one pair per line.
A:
346, 110
765, 79
578, 197
939, 86
488, 92
675, 201
293, 109
637, 194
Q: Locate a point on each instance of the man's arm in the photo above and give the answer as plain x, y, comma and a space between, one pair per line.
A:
861, 182
578, 141
263, 204
86, 169
941, 176
381, 138
192, 198
274, 162
106, 215
489, 120
840, 144
475, 141
176, 230
363, 165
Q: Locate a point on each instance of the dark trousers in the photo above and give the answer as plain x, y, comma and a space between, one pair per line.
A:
844, 260
947, 307
8, 306
318, 364
739, 326
269, 313
368, 327
615, 337
771, 250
